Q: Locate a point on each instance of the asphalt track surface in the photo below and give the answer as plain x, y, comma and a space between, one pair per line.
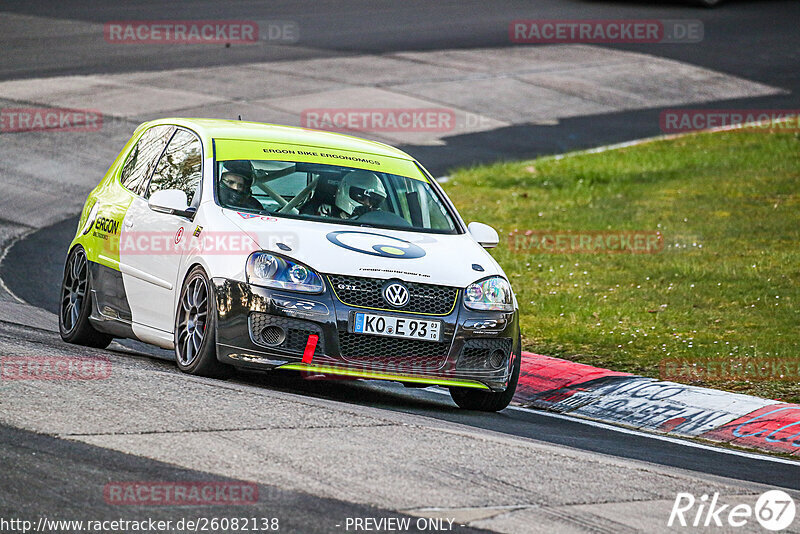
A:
67, 479
756, 40
520, 423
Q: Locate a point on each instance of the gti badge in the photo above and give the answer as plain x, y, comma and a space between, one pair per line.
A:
396, 294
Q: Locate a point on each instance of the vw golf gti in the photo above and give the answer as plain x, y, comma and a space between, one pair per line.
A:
247, 245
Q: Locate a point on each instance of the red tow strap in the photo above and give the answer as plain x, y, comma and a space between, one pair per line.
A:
311, 346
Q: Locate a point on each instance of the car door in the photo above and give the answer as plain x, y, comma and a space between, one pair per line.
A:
152, 241
108, 289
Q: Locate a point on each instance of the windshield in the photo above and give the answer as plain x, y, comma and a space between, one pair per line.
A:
330, 193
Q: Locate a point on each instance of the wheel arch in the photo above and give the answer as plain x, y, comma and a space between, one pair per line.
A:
184, 274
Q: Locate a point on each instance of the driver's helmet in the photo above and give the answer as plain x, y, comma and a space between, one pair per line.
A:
231, 195
359, 188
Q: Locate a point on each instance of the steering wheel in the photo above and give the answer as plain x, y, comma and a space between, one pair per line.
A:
299, 198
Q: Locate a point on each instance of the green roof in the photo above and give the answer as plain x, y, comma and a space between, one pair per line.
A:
257, 131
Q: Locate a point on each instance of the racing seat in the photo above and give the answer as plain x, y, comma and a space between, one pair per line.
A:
324, 193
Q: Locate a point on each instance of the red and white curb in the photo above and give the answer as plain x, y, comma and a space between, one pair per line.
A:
652, 405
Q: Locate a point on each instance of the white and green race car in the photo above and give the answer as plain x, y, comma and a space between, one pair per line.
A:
256, 246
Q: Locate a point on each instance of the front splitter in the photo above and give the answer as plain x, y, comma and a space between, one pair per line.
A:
357, 373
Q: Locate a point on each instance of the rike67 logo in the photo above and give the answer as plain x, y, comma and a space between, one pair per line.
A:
774, 510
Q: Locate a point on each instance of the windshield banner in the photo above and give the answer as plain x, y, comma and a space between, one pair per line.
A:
229, 149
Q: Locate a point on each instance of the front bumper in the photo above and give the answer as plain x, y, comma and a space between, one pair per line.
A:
261, 328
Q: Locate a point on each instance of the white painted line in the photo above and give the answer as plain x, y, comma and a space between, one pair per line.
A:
632, 432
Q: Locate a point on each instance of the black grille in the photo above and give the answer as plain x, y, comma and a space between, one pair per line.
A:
386, 352
367, 293
296, 332
481, 355
272, 335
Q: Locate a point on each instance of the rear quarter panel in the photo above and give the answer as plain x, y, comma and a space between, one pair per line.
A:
110, 201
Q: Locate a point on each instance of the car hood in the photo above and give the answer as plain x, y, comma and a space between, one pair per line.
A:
371, 252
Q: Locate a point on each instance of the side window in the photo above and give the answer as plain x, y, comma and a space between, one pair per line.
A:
142, 159
180, 167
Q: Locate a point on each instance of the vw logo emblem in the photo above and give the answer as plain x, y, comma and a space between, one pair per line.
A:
396, 294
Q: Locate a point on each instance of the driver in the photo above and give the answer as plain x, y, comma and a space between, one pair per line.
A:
235, 185
359, 192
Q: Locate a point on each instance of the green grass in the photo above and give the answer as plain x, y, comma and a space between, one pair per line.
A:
725, 287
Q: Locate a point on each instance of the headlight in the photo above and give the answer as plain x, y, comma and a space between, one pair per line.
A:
490, 294
269, 270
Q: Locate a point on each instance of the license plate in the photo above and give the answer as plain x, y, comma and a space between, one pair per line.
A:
384, 325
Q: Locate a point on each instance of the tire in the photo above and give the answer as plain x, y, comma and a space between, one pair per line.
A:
75, 304
195, 329
483, 401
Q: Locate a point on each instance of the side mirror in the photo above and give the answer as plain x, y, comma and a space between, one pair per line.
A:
171, 201
485, 235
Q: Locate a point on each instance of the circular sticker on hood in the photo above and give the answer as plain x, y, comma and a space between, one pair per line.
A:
376, 244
